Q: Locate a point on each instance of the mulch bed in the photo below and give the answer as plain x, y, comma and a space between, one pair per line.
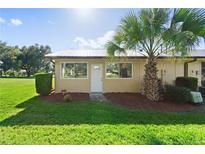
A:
58, 97
138, 101
129, 100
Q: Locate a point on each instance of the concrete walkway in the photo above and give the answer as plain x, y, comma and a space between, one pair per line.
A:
97, 97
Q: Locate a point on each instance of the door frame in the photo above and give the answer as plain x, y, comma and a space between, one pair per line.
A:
101, 70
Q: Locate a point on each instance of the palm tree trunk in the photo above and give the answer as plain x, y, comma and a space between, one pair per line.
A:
151, 81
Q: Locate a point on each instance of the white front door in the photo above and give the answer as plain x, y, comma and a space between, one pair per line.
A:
96, 78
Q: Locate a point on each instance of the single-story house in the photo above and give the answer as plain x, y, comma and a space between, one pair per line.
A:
93, 71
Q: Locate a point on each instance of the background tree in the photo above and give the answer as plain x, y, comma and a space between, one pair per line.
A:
32, 59
8, 56
153, 32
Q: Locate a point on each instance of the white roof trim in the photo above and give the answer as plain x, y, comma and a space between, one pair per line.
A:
103, 53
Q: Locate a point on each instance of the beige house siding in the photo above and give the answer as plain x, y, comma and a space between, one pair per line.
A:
194, 70
169, 69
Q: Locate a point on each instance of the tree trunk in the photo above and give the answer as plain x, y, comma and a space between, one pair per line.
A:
151, 81
28, 73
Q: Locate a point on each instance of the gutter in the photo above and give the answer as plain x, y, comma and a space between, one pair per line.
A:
186, 66
102, 57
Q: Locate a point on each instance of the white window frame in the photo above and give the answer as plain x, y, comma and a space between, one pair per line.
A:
118, 78
62, 76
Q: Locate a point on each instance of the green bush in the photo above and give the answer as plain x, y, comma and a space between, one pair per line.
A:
177, 94
43, 83
188, 82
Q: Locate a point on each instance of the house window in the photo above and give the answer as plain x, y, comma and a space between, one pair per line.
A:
74, 70
119, 70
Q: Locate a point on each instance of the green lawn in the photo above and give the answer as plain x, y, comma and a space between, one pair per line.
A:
24, 119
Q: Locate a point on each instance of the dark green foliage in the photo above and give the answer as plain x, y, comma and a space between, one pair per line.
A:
188, 82
43, 83
177, 94
32, 59
8, 57
29, 58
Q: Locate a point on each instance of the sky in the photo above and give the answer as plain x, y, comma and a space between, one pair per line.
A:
61, 29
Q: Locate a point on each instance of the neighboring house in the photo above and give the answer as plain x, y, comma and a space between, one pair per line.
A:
1, 70
94, 71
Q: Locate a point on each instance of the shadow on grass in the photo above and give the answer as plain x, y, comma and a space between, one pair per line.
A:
38, 112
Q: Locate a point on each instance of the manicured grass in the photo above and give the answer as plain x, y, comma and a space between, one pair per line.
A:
24, 119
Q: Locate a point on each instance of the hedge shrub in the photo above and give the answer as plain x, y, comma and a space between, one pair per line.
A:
188, 82
177, 94
43, 82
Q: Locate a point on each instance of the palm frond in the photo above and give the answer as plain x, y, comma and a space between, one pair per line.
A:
156, 31
187, 28
154, 21
130, 31
113, 48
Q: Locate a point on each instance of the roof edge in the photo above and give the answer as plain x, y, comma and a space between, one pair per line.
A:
129, 57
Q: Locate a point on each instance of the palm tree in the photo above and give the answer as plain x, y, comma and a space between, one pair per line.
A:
153, 32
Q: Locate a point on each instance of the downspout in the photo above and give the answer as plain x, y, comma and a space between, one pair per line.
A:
186, 66
54, 75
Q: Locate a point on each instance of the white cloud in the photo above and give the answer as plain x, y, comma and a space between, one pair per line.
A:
2, 21
16, 22
51, 22
97, 43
